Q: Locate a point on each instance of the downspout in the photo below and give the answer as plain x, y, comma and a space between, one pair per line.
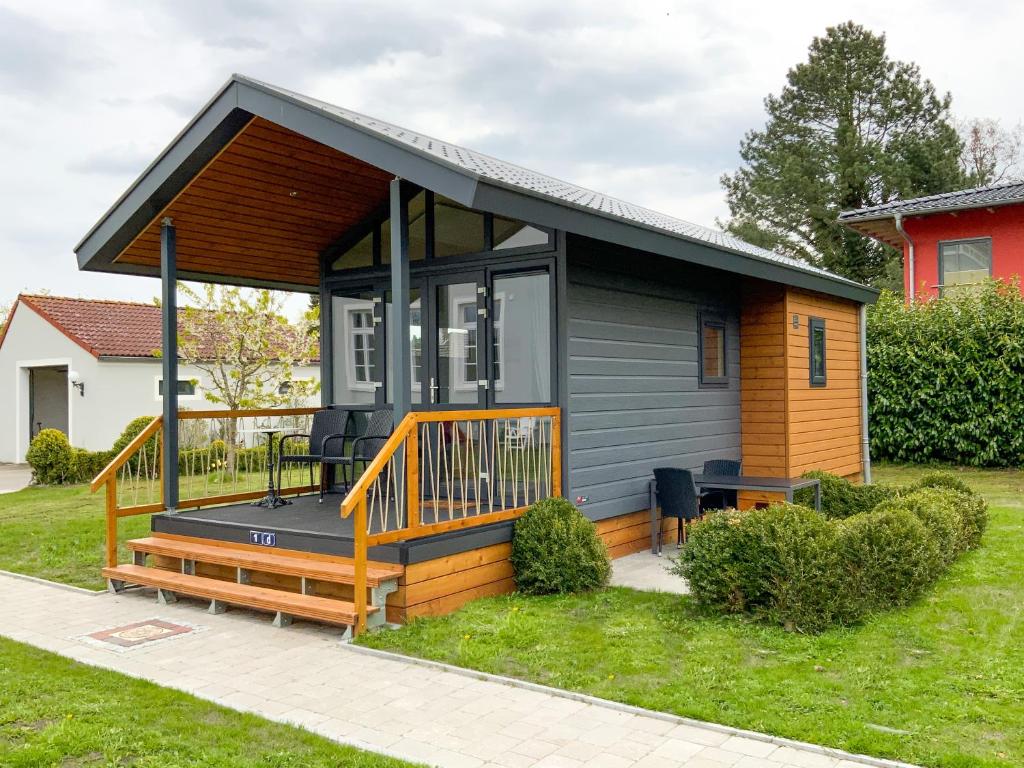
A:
910, 253
865, 441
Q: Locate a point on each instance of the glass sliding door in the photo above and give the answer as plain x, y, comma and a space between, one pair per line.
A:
455, 348
521, 335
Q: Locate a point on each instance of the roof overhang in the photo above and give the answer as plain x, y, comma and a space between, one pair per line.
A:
237, 232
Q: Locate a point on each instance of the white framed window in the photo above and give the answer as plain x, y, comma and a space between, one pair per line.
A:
359, 363
188, 389
468, 373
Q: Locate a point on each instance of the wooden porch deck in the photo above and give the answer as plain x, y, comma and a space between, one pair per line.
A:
305, 525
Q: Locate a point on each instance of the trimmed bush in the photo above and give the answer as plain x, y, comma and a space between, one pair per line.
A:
88, 464
52, 458
840, 498
777, 563
807, 571
947, 377
889, 558
944, 480
555, 549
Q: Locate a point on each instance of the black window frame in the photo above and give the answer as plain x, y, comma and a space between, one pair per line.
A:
817, 380
706, 320
372, 226
941, 275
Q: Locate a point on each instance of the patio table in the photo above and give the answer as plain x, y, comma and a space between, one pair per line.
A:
784, 485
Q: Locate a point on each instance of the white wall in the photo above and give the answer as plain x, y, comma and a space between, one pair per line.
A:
33, 342
116, 391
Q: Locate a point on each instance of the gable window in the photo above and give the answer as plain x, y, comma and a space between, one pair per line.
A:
361, 347
711, 351
964, 264
816, 351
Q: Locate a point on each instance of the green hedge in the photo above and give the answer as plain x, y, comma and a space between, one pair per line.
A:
791, 566
946, 378
556, 549
840, 498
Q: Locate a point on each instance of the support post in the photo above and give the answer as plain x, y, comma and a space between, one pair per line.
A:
400, 345
169, 305
359, 582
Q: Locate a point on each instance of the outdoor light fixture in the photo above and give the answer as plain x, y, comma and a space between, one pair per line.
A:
796, 321
77, 382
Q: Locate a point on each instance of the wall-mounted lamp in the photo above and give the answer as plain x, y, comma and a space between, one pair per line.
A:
796, 322
76, 382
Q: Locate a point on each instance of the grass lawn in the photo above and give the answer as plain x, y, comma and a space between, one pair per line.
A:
940, 683
57, 534
56, 712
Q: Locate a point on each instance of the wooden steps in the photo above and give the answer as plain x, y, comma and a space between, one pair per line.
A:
261, 578
285, 603
266, 561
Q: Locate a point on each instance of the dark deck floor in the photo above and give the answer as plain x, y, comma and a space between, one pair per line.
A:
308, 526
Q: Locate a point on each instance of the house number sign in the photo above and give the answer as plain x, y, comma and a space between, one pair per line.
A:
263, 538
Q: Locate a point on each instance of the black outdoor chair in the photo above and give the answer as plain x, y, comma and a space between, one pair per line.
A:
328, 425
677, 497
379, 427
720, 498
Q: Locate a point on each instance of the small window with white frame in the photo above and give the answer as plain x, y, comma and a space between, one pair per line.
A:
964, 264
188, 389
360, 359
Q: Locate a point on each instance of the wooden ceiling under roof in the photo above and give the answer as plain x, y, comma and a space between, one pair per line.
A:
265, 208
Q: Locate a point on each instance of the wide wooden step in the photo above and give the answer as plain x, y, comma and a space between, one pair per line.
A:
289, 603
265, 561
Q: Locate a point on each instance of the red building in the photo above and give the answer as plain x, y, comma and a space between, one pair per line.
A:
953, 239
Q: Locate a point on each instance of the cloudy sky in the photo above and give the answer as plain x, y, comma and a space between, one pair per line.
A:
646, 100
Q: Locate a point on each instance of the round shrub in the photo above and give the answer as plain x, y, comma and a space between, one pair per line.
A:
944, 480
556, 549
937, 509
779, 562
889, 556
723, 564
52, 458
133, 430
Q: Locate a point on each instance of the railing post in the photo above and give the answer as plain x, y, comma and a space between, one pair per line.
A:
111, 543
556, 454
360, 567
412, 476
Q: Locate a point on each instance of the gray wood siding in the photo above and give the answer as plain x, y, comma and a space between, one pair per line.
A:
634, 400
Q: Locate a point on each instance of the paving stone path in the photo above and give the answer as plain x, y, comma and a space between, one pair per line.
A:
305, 676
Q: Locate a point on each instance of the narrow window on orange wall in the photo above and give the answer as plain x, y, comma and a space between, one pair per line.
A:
816, 351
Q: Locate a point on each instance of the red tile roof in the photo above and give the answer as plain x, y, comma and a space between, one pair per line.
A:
103, 328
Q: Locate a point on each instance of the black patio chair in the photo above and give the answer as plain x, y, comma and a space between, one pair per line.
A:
720, 498
678, 498
328, 425
379, 427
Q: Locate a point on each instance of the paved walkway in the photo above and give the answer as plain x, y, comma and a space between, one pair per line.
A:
648, 572
423, 713
14, 477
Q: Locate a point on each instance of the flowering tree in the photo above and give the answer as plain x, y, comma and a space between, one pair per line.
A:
248, 350
243, 342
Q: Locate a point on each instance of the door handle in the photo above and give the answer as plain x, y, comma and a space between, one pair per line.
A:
433, 391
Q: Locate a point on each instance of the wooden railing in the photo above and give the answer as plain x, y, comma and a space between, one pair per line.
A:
222, 458
446, 470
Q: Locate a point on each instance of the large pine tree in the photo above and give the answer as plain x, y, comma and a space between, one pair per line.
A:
851, 128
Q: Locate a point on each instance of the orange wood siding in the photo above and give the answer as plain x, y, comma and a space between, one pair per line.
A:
824, 423
763, 387
788, 426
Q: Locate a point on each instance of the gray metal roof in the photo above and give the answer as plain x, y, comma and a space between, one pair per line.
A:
472, 178
978, 197
540, 184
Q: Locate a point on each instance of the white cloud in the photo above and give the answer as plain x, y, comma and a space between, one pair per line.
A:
644, 100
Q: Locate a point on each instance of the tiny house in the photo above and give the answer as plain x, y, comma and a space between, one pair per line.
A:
531, 338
